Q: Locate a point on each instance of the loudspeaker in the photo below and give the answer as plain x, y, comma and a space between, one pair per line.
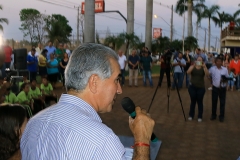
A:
20, 58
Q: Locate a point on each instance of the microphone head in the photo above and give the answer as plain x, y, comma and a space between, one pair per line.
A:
128, 105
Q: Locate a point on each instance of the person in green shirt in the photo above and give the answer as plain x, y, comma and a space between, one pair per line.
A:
25, 99
10, 97
36, 96
59, 52
47, 91
25, 80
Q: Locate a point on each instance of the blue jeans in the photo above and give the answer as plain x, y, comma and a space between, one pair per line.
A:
196, 95
149, 75
230, 83
123, 76
178, 78
238, 82
187, 79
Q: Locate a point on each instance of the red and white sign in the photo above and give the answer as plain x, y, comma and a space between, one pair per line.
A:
157, 32
99, 6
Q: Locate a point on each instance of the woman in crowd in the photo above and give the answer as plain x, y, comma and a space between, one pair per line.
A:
227, 60
13, 120
52, 70
42, 63
197, 87
63, 65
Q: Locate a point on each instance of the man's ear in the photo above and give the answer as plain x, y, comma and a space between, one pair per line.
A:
93, 83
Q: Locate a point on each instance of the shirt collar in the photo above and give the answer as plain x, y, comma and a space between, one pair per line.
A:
73, 100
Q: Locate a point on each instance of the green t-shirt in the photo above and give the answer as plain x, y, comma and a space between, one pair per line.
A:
22, 97
11, 98
47, 89
59, 54
35, 93
146, 63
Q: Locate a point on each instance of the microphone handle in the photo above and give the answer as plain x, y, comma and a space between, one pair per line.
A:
153, 136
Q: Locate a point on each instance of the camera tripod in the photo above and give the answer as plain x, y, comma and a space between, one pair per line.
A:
168, 93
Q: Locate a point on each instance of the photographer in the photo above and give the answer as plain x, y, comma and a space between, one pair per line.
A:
165, 67
219, 78
178, 64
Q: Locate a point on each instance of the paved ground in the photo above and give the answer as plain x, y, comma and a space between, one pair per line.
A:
208, 140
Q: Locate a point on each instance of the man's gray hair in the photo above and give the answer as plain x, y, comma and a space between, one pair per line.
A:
86, 60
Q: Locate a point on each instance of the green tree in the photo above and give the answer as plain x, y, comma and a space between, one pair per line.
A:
190, 43
58, 29
28, 20
2, 20
161, 43
111, 41
130, 40
176, 44
235, 18
209, 13
189, 6
219, 20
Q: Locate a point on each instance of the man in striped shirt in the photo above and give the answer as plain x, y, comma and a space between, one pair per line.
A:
72, 129
219, 88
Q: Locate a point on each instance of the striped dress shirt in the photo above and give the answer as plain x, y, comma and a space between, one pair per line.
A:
69, 130
216, 74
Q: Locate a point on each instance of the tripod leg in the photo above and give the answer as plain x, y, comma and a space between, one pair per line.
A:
168, 95
180, 99
152, 99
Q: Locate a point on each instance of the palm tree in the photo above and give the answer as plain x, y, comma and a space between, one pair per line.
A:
114, 42
209, 12
191, 43
190, 7
219, 20
198, 11
235, 17
2, 20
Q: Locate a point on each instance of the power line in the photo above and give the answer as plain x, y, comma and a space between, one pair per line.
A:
57, 4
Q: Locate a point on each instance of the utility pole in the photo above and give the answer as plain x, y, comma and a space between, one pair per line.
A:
130, 16
148, 28
171, 36
216, 44
205, 38
78, 41
196, 30
183, 38
89, 21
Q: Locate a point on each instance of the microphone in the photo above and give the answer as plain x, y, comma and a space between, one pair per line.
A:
129, 107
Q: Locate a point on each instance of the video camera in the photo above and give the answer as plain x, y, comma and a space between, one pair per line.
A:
224, 78
168, 57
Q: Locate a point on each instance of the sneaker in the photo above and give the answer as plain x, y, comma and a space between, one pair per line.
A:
189, 118
199, 120
210, 88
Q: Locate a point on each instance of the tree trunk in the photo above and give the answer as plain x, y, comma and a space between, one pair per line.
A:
220, 40
89, 21
190, 8
130, 16
148, 28
209, 34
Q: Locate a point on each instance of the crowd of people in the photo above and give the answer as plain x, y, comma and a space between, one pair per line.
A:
72, 128
92, 80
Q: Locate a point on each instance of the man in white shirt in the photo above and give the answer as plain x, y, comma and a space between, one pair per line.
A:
122, 60
39, 49
67, 50
217, 73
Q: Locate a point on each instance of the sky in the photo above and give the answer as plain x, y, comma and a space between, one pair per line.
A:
112, 21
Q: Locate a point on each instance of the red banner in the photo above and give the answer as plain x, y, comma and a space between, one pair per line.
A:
157, 32
99, 6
